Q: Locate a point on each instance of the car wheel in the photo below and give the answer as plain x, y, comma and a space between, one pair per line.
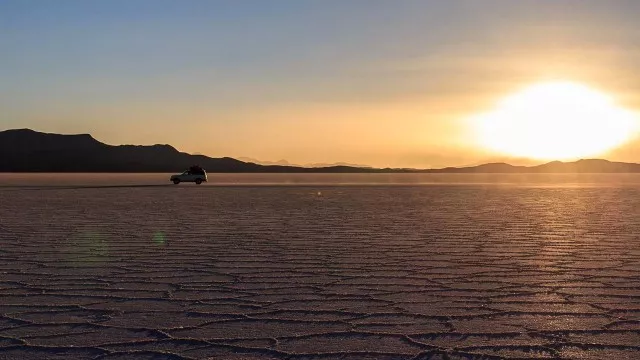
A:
198, 181
176, 181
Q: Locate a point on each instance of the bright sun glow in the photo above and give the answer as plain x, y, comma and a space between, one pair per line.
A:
555, 121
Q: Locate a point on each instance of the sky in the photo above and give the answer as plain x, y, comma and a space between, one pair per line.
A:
375, 82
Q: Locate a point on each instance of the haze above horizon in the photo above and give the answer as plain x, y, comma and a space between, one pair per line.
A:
403, 83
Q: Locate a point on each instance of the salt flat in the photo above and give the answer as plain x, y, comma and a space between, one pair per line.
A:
385, 267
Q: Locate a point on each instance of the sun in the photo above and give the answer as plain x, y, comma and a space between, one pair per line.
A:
555, 121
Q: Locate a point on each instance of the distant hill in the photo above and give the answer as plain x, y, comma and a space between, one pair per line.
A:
262, 162
284, 162
321, 165
25, 150
581, 166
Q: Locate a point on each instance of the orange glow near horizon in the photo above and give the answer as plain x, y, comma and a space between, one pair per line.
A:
555, 121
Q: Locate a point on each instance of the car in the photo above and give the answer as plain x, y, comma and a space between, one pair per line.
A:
195, 174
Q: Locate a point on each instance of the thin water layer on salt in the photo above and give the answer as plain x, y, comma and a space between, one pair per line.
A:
118, 268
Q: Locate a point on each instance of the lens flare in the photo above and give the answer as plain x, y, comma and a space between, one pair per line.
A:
159, 238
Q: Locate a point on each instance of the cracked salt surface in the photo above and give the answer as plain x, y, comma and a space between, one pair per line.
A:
362, 272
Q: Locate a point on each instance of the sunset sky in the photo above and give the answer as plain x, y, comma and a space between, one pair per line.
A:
377, 82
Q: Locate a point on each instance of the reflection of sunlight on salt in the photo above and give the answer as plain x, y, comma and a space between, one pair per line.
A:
159, 238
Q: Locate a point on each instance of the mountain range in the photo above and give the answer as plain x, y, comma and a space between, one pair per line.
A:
25, 150
284, 162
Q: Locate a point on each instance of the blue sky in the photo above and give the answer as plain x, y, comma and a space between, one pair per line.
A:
365, 81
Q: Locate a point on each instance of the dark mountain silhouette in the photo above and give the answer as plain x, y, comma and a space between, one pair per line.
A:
25, 150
